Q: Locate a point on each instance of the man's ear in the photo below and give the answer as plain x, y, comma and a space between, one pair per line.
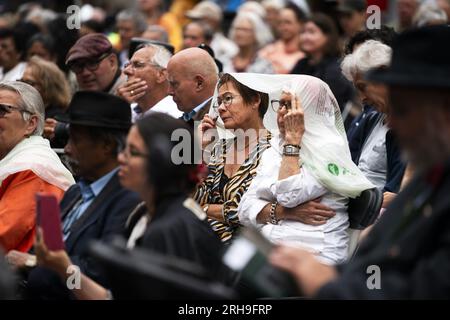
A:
199, 82
161, 76
112, 60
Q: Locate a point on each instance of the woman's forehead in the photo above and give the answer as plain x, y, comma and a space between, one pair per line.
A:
227, 86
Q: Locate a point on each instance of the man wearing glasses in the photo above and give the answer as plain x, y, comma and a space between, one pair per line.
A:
95, 64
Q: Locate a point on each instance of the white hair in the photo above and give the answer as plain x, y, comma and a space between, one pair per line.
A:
161, 56
371, 54
29, 100
254, 7
429, 13
261, 30
277, 4
135, 16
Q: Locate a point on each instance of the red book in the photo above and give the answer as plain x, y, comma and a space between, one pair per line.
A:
48, 217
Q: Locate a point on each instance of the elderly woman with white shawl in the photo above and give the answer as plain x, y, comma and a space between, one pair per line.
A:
27, 164
309, 163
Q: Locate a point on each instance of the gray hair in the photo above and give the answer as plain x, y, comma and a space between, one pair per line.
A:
137, 17
261, 30
163, 36
29, 100
277, 4
43, 15
429, 13
253, 6
161, 56
371, 54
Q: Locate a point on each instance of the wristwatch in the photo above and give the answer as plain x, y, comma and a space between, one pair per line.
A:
291, 150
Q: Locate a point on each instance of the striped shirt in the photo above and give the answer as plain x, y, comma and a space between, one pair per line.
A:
228, 191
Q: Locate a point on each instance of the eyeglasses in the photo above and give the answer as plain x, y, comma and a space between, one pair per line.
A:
136, 65
227, 100
4, 109
91, 64
277, 104
133, 153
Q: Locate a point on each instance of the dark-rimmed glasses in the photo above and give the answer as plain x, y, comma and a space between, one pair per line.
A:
90, 64
277, 104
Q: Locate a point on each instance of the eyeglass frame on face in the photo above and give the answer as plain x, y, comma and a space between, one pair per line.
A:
94, 64
136, 65
128, 153
229, 97
281, 104
6, 109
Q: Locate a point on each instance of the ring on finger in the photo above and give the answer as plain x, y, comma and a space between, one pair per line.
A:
132, 92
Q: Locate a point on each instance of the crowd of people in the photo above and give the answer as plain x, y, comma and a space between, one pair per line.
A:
177, 125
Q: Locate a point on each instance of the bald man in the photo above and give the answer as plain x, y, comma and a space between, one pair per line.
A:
192, 75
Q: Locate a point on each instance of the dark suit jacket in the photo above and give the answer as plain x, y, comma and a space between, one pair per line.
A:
104, 218
410, 244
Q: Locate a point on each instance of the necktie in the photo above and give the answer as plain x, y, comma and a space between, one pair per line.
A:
138, 111
189, 115
86, 195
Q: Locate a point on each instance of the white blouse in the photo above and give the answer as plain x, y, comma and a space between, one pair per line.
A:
329, 241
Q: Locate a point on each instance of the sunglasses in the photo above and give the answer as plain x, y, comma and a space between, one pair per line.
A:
4, 109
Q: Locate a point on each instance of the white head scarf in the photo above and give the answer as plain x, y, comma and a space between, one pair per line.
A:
34, 153
324, 148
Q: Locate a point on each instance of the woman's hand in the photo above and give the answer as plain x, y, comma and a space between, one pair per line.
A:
294, 125
49, 128
132, 90
207, 130
57, 261
312, 212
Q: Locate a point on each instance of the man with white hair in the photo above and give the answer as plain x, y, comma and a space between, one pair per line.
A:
147, 86
27, 164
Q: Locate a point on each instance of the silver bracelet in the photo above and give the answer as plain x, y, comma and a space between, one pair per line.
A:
273, 217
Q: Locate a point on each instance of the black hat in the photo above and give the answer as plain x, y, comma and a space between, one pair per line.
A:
348, 6
97, 109
420, 58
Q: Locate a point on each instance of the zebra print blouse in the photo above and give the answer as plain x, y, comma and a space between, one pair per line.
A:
219, 189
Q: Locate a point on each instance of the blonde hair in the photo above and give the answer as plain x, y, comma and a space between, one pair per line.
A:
54, 85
